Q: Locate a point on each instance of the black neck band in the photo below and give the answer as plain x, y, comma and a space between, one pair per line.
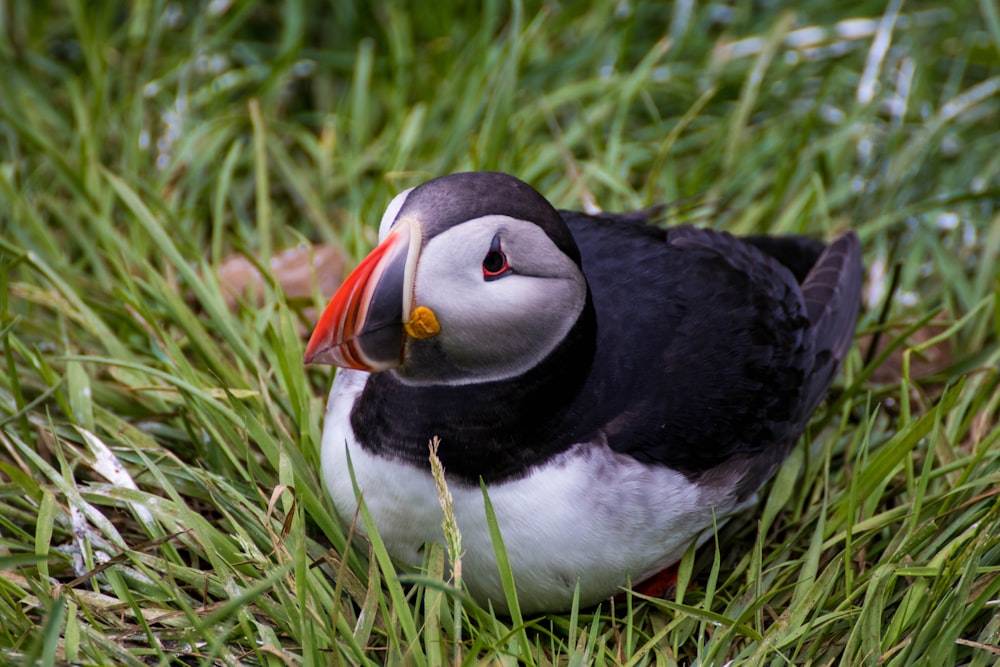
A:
495, 430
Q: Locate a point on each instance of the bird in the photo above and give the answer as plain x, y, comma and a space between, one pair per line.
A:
617, 388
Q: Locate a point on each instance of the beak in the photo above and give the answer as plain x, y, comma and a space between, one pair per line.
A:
364, 325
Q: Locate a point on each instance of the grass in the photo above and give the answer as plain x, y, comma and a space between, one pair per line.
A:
160, 501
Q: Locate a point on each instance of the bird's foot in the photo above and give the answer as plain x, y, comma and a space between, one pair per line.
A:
660, 585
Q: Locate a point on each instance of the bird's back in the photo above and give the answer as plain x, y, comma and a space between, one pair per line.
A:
710, 346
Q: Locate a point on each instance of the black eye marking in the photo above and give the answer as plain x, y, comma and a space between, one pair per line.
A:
495, 262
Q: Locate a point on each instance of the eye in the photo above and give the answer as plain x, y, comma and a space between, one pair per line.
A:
495, 262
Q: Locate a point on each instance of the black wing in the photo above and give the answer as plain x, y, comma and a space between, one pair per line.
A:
708, 347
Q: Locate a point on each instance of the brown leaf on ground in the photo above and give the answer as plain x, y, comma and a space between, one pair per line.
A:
292, 269
923, 364
982, 424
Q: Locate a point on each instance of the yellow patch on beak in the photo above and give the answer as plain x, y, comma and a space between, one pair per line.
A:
423, 323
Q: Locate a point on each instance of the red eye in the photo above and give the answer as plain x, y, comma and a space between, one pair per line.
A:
495, 263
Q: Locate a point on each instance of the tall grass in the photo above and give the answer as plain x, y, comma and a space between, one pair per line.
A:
160, 501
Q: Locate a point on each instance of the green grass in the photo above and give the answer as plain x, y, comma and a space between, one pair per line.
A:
160, 501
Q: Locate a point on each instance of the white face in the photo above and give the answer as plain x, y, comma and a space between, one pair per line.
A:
391, 211
500, 327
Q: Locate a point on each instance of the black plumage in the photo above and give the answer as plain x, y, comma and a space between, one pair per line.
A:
694, 348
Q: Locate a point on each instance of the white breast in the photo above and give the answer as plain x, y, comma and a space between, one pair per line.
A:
590, 515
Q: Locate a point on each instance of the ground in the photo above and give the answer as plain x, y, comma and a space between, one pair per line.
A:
160, 500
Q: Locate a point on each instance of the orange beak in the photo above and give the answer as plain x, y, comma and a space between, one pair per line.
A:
363, 326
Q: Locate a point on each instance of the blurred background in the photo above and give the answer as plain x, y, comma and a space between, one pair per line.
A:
183, 183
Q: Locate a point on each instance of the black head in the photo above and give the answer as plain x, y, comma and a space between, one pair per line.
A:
451, 200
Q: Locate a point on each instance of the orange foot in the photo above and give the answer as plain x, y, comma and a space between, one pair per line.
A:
657, 586
660, 584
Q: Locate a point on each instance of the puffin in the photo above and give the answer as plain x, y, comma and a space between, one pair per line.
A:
617, 388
